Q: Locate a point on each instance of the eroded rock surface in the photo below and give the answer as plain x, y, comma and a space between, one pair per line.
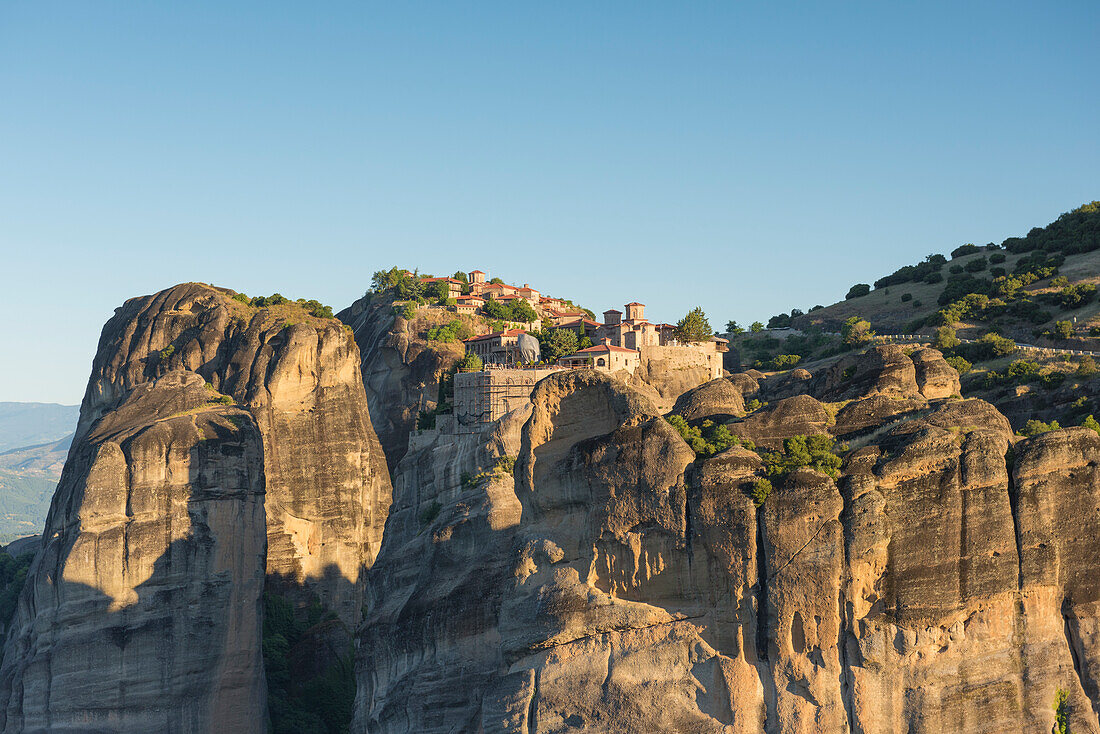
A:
635, 587
327, 489
221, 450
142, 610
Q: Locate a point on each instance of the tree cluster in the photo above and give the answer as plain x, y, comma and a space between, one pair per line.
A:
515, 310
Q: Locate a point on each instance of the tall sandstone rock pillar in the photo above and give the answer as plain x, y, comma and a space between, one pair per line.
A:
220, 448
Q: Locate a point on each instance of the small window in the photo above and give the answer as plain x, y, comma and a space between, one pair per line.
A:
600, 362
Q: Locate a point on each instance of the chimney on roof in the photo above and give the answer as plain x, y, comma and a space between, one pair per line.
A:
526, 285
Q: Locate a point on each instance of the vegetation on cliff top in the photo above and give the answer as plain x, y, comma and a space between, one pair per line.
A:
1019, 287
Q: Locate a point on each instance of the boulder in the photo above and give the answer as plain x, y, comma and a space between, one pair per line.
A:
798, 415
718, 400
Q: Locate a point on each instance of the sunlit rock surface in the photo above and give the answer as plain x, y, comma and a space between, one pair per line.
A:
221, 450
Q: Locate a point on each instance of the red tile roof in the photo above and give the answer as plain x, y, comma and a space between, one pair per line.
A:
477, 271
506, 332
576, 323
605, 348
635, 304
612, 310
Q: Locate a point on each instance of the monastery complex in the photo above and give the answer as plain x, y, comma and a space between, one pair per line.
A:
624, 342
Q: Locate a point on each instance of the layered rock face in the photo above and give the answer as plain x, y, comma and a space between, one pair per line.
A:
615, 582
401, 375
221, 450
142, 610
326, 483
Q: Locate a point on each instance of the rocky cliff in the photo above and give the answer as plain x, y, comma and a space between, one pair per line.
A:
611, 580
401, 371
583, 564
221, 450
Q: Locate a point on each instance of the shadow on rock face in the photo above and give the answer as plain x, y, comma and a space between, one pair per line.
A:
143, 609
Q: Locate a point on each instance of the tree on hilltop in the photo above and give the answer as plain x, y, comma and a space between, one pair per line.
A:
694, 327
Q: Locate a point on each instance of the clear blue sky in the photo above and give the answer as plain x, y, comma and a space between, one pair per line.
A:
746, 157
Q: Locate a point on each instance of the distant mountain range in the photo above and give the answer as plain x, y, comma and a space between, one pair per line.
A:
30, 424
34, 441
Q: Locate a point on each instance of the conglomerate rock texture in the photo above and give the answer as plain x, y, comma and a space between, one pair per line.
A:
612, 581
222, 450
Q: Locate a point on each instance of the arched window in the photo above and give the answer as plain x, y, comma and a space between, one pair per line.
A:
600, 362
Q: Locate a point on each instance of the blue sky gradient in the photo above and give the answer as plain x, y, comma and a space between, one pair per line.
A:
745, 157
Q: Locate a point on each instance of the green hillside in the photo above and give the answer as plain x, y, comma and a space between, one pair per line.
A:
24, 502
1020, 288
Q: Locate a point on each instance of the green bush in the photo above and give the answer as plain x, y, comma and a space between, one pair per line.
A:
167, 352
856, 332
988, 346
761, 490
708, 439
514, 310
976, 265
959, 363
1021, 371
456, 330
1091, 423
316, 308
1086, 367
967, 249
906, 297
857, 290
816, 452
781, 362
945, 338
1034, 427
439, 290
406, 311
1062, 330
503, 467
1061, 712
470, 363
997, 258
1075, 296
275, 299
